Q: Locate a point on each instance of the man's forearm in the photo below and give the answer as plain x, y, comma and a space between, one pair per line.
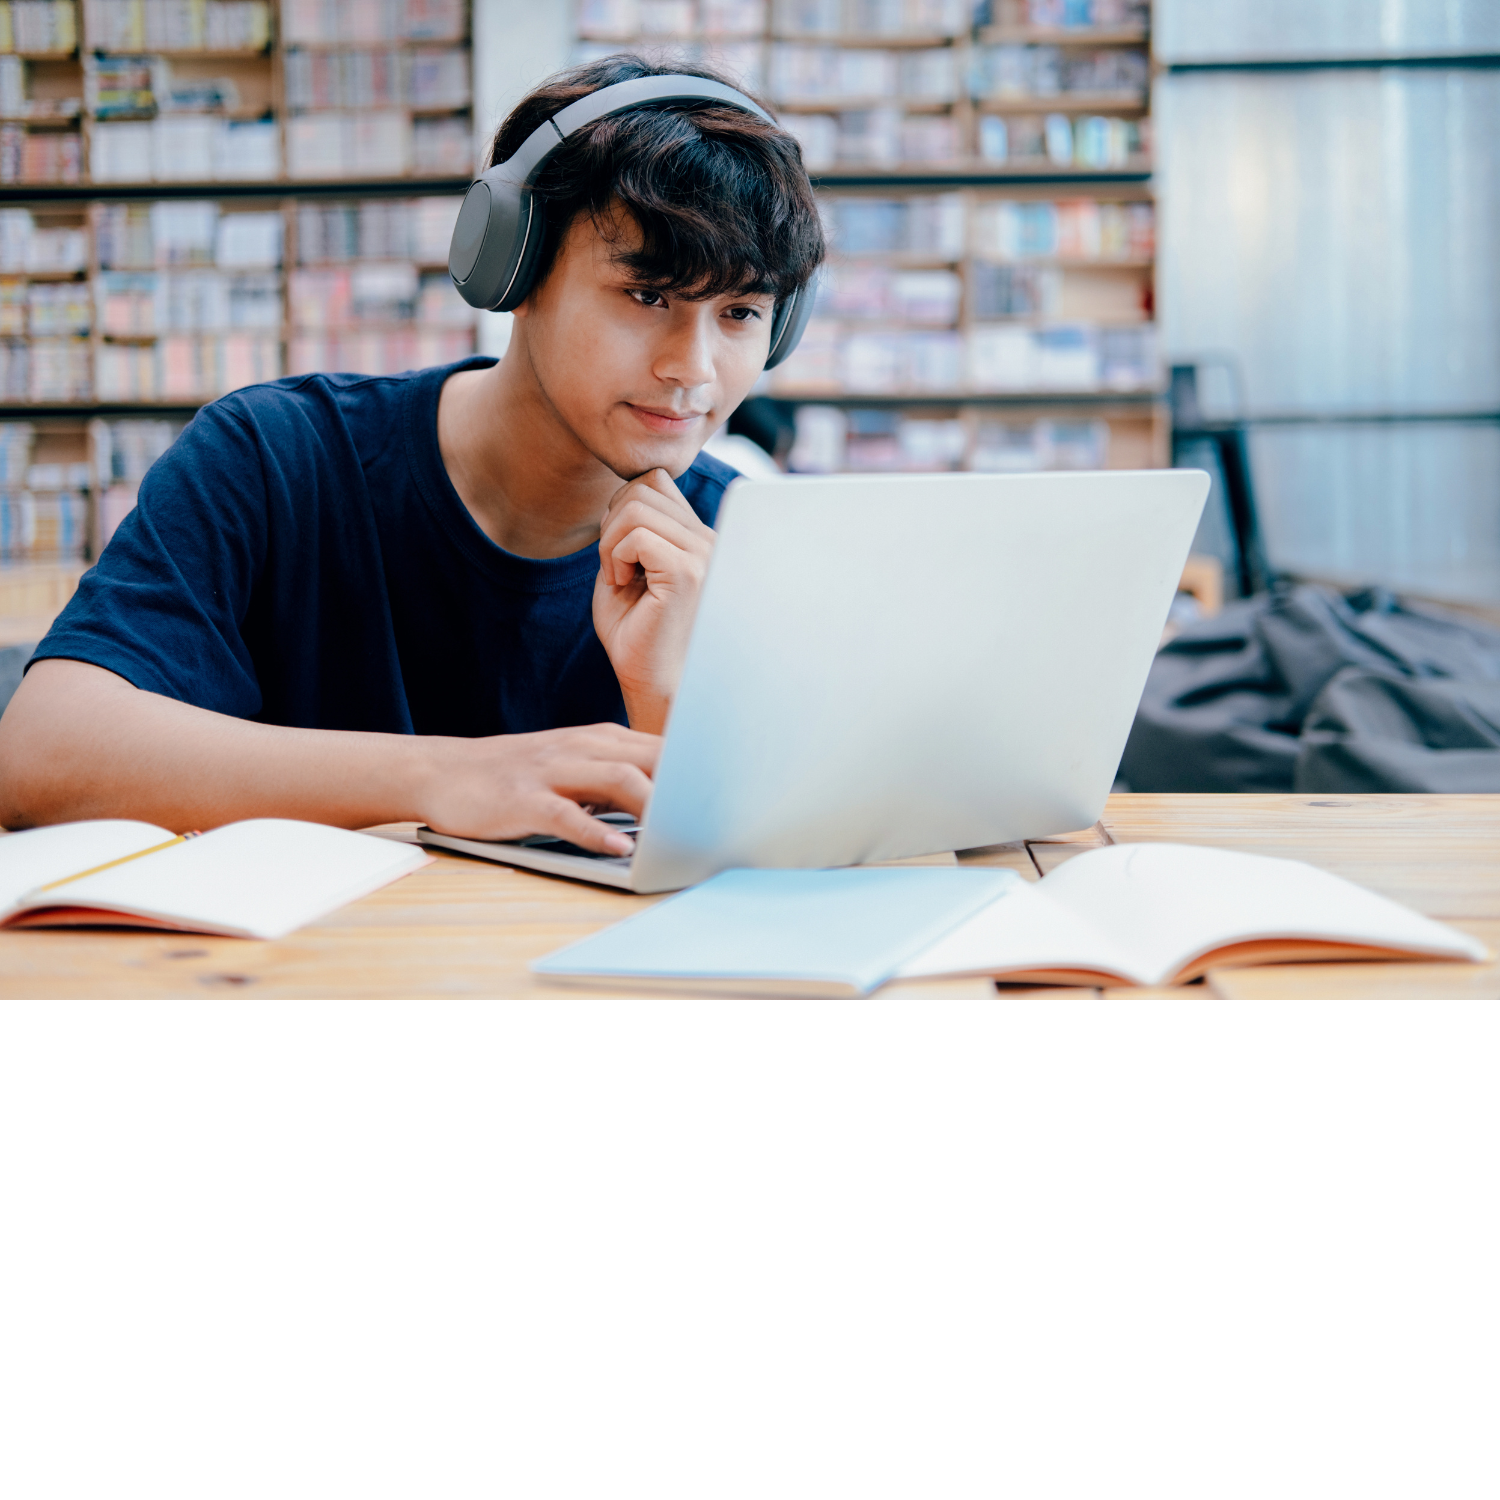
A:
80, 742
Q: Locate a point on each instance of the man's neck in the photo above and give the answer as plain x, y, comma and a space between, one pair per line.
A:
522, 474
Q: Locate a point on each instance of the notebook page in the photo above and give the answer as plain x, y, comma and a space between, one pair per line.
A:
1022, 932
1167, 903
39, 856
261, 878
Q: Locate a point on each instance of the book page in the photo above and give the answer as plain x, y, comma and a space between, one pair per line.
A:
1168, 903
1023, 933
260, 878
38, 856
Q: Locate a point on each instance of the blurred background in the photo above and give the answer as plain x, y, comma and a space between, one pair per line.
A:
1256, 236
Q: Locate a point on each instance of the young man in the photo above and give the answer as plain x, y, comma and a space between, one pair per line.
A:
444, 596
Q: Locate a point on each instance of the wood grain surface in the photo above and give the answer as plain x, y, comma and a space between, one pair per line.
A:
465, 927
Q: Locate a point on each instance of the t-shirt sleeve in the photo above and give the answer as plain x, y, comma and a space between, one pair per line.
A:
164, 604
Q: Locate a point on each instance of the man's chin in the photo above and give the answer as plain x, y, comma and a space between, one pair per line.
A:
675, 455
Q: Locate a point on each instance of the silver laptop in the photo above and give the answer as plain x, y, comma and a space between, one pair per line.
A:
898, 664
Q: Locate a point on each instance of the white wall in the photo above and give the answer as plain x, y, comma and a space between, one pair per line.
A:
516, 45
1200, 30
1337, 233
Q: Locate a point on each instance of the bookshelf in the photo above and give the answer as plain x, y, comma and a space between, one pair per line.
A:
195, 196
985, 175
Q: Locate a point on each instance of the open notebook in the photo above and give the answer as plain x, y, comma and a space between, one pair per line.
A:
261, 878
1132, 914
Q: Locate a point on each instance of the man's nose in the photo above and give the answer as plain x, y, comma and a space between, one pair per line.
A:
687, 356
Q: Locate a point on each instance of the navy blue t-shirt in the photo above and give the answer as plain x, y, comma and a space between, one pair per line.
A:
299, 556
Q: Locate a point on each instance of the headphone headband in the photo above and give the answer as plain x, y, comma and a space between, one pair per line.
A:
498, 236
522, 166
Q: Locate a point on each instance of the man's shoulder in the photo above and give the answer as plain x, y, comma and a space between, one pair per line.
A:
704, 482
313, 399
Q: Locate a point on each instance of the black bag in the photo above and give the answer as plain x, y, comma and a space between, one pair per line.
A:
1371, 733
1226, 702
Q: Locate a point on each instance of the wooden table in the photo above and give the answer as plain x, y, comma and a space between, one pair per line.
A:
465, 927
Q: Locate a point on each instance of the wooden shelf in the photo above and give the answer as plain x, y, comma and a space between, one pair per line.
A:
864, 41
144, 117
375, 325
1054, 263
402, 44
902, 260
186, 54
908, 105
1063, 104
370, 260
276, 187
1068, 36
278, 333
971, 173
873, 41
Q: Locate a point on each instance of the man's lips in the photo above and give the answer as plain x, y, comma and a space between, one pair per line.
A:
664, 419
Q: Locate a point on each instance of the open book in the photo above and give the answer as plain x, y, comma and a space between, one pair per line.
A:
1131, 914
261, 878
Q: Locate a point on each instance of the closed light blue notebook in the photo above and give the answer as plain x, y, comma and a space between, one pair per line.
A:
832, 932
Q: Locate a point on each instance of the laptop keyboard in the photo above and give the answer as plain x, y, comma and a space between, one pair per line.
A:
622, 822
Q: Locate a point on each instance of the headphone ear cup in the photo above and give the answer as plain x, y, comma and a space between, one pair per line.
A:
496, 241
531, 230
788, 322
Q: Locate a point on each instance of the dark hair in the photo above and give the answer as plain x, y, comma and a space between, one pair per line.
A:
721, 197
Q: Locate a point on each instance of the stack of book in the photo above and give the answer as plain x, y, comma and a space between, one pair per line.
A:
26, 245
966, 294
918, 224
870, 18
57, 308
623, 20
855, 105
876, 291
18, 102
1065, 15
727, 34
157, 123
1080, 229
1009, 447
418, 229
837, 440
39, 156
371, 292
382, 111
43, 506
39, 27
189, 299
1032, 73
185, 26
44, 351
881, 440
123, 451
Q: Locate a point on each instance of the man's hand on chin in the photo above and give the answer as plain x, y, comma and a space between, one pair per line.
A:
653, 556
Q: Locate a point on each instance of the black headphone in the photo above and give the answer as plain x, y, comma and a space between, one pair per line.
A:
499, 233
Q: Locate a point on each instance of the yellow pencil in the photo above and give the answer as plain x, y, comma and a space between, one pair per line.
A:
124, 859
